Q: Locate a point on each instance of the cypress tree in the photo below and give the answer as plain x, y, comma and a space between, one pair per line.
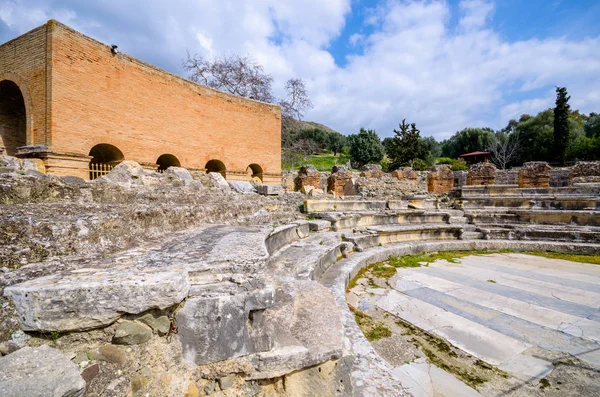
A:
407, 145
561, 124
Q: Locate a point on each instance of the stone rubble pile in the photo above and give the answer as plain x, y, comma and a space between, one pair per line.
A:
341, 182
307, 176
481, 174
585, 172
440, 180
534, 174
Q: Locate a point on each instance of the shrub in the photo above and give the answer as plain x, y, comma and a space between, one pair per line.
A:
459, 165
419, 165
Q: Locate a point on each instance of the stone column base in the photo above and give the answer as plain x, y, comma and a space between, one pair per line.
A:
62, 164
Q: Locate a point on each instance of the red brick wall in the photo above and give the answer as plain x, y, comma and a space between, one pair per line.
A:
23, 61
97, 97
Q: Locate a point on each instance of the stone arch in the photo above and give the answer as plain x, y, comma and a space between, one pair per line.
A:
104, 157
216, 166
255, 173
166, 160
13, 117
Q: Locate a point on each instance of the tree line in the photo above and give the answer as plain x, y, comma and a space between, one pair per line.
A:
557, 135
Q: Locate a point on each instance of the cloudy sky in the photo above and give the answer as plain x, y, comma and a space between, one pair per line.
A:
445, 65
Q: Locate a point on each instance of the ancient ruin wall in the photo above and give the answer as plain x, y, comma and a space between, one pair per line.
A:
23, 61
98, 97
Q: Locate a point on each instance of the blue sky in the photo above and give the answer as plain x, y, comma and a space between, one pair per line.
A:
445, 65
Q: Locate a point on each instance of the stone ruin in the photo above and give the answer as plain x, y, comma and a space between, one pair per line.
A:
406, 174
481, 174
534, 174
307, 176
440, 180
585, 172
341, 182
233, 293
371, 171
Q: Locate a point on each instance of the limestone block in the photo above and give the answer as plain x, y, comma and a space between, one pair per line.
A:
269, 190
316, 192
160, 325
534, 174
406, 174
307, 176
181, 174
132, 333
371, 171
40, 371
585, 172
481, 174
91, 298
307, 189
319, 225
440, 180
242, 187
33, 165
340, 182
217, 328
217, 180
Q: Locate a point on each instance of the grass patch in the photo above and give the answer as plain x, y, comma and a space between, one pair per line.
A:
352, 283
321, 161
383, 271
593, 259
373, 330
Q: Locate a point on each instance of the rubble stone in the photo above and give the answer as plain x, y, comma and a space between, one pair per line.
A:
161, 325
269, 190
440, 180
307, 176
534, 174
112, 354
340, 182
40, 371
181, 174
132, 333
242, 187
406, 174
371, 171
585, 172
481, 174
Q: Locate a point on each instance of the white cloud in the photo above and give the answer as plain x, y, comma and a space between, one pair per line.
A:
412, 65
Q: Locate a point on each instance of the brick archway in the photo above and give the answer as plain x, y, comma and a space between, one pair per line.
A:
255, 173
166, 160
27, 118
216, 166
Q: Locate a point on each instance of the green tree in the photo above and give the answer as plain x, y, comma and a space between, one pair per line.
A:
466, 141
336, 142
406, 146
592, 126
365, 148
561, 125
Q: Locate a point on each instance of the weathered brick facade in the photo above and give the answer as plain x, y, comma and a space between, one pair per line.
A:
78, 94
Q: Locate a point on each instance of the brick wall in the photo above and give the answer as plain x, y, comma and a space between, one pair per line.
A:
98, 97
23, 61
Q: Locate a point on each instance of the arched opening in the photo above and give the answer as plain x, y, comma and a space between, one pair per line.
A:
255, 173
104, 158
13, 120
216, 166
165, 161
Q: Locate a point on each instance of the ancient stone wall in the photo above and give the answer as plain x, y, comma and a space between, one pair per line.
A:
559, 177
481, 174
534, 174
507, 177
440, 180
585, 172
307, 176
371, 171
406, 174
340, 182
460, 178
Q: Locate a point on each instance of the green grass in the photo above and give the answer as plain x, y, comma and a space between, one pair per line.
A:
373, 330
593, 259
322, 161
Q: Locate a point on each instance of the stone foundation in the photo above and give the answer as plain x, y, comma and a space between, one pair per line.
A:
534, 174
481, 174
307, 176
585, 172
440, 180
340, 182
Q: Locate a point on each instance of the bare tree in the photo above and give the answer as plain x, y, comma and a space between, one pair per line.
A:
236, 74
297, 100
504, 148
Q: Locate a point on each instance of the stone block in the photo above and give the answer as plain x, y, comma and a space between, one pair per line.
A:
218, 180
585, 172
161, 324
534, 174
269, 190
181, 174
307, 176
440, 180
340, 182
92, 298
406, 174
112, 354
481, 174
371, 171
307, 189
319, 225
132, 333
40, 371
223, 327
242, 187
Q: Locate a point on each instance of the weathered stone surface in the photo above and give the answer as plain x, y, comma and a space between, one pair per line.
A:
129, 173
316, 193
534, 174
307, 176
227, 382
307, 189
242, 187
112, 354
440, 180
161, 325
73, 180
481, 174
371, 171
132, 333
8, 347
269, 190
340, 182
319, 225
585, 172
181, 174
90, 372
91, 298
225, 326
40, 371
406, 174
217, 180
386, 186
